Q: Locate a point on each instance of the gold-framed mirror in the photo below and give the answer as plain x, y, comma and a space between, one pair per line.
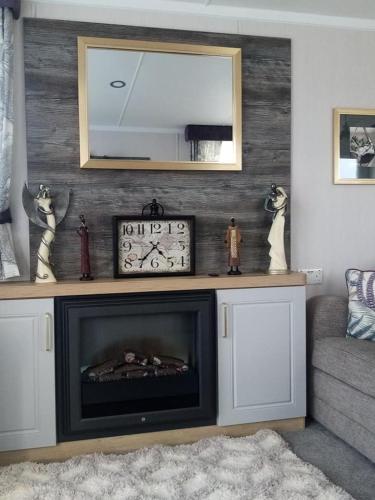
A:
159, 106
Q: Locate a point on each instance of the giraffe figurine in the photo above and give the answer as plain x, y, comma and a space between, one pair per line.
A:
47, 213
44, 273
276, 203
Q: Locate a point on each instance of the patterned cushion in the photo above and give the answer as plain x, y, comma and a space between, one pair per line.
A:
361, 318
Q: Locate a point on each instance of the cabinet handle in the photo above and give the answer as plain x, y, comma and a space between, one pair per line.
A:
225, 320
49, 331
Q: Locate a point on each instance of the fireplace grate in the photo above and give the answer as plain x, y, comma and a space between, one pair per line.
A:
139, 388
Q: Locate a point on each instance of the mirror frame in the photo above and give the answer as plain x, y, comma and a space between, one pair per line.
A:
92, 42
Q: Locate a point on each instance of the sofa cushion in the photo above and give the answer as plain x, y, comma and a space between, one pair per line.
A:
345, 428
361, 317
345, 399
347, 359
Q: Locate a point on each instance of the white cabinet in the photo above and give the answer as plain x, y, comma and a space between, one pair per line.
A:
27, 374
261, 354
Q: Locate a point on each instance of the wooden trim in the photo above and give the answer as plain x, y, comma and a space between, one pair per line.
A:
121, 444
27, 290
179, 48
141, 45
82, 103
237, 110
155, 165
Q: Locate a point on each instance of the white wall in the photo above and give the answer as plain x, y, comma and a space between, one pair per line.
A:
332, 226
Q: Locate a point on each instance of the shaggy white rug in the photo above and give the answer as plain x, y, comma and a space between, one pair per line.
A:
257, 467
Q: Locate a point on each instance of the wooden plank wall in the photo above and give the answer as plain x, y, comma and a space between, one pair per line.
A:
213, 197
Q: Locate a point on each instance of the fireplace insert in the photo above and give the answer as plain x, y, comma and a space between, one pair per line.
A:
134, 363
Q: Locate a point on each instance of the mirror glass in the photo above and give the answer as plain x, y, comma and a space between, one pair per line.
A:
159, 108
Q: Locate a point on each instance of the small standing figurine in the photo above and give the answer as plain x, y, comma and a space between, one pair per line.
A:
232, 240
46, 212
276, 202
83, 233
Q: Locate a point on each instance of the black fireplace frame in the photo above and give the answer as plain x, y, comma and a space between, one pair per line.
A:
70, 423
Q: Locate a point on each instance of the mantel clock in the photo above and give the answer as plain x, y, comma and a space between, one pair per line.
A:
153, 244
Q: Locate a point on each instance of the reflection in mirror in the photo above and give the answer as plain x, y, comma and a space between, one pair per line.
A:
139, 104
150, 107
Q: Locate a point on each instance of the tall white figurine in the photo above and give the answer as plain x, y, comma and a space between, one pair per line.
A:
53, 211
276, 202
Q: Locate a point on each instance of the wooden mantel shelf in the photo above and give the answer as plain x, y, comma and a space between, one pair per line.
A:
28, 290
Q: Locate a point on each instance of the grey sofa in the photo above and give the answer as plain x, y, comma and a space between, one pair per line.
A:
341, 375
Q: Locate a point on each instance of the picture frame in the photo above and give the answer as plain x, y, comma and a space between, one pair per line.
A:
354, 146
162, 245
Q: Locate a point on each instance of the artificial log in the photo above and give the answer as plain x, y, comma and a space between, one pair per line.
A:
136, 365
133, 371
109, 377
136, 358
161, 371
169, 362
101, 369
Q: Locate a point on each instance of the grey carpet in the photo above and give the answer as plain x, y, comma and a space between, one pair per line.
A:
341, 463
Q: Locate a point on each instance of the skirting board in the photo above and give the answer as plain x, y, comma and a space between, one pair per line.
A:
121, 444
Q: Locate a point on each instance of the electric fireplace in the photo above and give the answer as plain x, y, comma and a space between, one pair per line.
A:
134, 363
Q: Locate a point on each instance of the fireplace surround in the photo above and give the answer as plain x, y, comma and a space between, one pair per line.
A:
168, 380
260, 335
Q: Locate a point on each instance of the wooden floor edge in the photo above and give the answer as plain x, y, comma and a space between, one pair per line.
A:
121, 444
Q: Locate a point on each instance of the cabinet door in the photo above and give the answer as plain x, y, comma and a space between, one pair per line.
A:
261, 354
27, 374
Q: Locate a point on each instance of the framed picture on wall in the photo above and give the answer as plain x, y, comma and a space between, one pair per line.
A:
354, 146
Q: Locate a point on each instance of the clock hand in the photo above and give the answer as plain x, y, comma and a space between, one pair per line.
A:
148, 253
159, 251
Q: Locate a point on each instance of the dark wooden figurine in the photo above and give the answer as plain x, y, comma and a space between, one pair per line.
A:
83, 232
232, 240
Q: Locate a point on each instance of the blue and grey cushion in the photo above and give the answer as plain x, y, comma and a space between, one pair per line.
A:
361, 318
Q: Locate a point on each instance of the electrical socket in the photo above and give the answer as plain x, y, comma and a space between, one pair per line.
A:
313, 276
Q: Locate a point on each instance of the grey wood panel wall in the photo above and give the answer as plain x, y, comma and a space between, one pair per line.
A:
213, 197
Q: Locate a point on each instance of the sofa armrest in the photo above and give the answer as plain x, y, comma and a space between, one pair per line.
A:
327, 316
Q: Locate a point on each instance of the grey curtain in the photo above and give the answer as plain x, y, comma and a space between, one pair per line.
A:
8, 264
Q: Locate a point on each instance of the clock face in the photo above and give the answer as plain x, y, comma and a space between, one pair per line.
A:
154, 246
